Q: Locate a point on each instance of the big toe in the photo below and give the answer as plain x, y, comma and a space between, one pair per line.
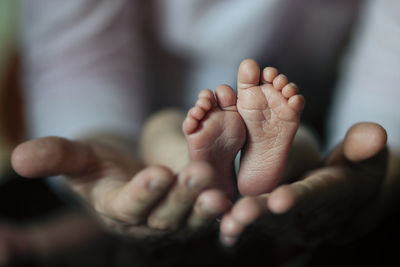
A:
248, 74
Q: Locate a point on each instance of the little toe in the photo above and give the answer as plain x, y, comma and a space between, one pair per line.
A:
226, 97
269, 74
189, 125
296, 102
248, 74
280, 81
289, 90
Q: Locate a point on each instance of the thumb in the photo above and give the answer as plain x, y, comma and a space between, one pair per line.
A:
364, 150
364, 146
50, 156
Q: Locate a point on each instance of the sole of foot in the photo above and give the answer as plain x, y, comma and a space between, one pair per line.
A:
270, 107
215, 133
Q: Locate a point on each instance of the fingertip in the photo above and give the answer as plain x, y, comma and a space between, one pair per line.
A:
281, 200
40, 157
249, 209
215, 201
230, 227
364, 140
209, 206
159, 178
227, 241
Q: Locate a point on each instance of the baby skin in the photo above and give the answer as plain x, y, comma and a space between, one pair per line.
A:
215, 132
270, 108
267, 107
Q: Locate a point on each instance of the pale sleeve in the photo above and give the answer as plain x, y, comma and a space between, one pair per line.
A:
369, 87
82, 67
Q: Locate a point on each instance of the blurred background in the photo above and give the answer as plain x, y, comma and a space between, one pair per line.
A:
26, 206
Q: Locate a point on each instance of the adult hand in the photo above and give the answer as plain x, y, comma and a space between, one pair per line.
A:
142, 202
337, 203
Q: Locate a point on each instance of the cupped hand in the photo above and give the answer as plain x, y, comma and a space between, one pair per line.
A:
143, 202
336, 203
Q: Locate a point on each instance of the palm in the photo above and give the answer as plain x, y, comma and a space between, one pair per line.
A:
143, 202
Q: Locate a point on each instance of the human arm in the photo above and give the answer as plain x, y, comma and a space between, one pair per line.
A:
84, 82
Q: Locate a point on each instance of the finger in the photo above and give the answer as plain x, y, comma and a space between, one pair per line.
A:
139, 232
130, 202
361, 154
364, 151
245, 211
363, 141
209, 205
50, 156
321, 186
177, 204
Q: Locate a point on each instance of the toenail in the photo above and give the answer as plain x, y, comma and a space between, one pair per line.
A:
197, 182
158, 185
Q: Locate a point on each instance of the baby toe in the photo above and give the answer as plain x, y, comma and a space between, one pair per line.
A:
269, 74
296, 102
289, 90
189, 125
280, 81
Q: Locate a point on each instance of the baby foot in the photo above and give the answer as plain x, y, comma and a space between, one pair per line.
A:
270, 108
215, 133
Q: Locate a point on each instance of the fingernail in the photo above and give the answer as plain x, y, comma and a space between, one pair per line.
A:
196, 182
158, 185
